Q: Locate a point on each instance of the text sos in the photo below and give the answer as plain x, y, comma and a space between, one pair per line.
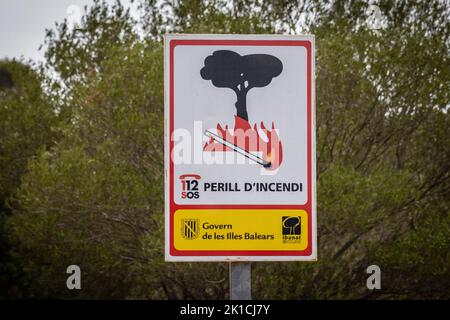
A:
189, 186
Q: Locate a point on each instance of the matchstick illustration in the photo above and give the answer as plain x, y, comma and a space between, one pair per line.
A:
239, 150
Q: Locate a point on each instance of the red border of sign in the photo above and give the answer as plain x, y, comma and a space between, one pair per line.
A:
306, 207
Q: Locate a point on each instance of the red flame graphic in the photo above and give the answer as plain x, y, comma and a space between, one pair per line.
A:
249, 139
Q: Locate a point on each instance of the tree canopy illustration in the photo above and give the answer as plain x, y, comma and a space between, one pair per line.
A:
228, 69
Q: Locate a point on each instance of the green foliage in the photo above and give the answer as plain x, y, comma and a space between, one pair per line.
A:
26, 127
70, 220
26, 120
95, 197
420, 258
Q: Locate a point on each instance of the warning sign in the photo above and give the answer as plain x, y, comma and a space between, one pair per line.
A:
239, 148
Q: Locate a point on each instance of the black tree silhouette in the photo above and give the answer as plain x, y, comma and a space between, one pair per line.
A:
291, 223
228, 69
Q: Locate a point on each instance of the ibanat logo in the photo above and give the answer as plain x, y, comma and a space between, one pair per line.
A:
291, 229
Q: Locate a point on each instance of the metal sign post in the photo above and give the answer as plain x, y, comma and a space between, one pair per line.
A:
240, 281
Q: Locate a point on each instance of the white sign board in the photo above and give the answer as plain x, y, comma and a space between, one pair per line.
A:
239, 148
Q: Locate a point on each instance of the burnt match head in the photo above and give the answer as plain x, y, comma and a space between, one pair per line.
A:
267, 165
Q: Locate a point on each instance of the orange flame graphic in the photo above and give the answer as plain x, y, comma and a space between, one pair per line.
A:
250, 140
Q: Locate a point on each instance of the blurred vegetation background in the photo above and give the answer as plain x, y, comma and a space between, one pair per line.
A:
81, 153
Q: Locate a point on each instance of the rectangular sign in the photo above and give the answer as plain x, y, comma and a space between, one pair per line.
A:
239, 148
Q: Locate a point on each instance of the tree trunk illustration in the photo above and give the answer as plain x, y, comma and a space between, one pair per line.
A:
241, 105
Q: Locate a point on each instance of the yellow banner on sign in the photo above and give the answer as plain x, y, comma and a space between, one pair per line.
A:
229, 229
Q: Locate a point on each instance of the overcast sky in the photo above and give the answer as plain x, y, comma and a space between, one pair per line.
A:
23, 24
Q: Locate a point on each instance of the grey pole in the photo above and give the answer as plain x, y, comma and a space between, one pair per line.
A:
240, 281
